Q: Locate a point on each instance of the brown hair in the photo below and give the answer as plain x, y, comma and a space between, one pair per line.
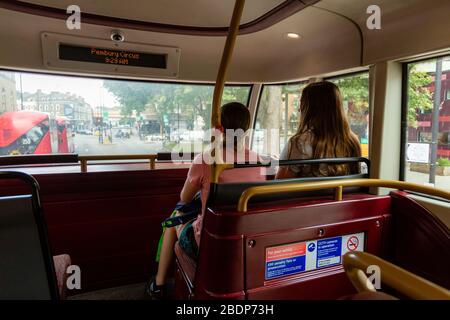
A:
322, 113
235, 116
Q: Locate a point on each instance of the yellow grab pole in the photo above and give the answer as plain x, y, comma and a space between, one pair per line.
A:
220, 83
224, 63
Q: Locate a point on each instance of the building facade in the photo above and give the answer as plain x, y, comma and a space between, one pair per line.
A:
58, 104
7, 92
423, 132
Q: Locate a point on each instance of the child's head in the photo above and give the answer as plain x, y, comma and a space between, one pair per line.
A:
235, 115
235, 121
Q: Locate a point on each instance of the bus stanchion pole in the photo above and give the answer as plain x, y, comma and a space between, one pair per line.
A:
220, 84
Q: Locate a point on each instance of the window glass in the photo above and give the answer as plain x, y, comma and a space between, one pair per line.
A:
277, 117
355, 92
428, 117
99, 116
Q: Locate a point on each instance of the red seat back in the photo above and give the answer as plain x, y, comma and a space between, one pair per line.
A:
421, 242
234, 256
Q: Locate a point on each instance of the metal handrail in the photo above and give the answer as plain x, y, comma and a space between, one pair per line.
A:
84, 159
220, 167
338, 185
225, 62
405, 282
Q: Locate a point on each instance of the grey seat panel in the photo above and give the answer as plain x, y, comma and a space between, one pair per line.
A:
23, 273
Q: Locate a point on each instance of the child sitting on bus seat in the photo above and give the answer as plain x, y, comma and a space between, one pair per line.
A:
323, 132
234, 116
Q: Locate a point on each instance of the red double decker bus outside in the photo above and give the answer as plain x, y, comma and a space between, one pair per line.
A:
65, 143
29, 132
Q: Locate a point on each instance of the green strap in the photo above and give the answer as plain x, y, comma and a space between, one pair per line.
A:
158, 253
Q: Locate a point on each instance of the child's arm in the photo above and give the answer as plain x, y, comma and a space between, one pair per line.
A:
194, 179
188, 192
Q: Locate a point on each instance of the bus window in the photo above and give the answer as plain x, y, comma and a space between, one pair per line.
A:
277, 117
355, 92
427, 146
111, 116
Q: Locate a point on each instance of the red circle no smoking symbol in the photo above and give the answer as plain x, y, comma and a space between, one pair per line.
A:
352, 243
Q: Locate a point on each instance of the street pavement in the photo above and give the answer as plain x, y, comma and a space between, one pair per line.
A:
89, 144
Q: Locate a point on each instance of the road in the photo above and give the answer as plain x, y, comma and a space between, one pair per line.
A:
89, 144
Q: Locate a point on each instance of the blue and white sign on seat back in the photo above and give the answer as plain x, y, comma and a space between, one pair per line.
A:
310, 255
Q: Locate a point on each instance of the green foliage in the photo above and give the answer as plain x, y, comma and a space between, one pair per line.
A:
355, 91
443, 162
164, 99
131, 95
420, 97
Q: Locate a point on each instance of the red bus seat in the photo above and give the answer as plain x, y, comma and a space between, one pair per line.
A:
233, 249
232, 257
421, 242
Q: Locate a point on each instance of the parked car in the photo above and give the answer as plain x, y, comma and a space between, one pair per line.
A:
84, 131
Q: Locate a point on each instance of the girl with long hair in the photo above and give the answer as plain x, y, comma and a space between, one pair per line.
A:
323, 132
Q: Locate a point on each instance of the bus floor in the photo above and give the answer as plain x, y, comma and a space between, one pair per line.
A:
128, 292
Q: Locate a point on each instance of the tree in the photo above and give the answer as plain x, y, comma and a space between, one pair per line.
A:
269, 118
355, 92
131, 95
420, 97
183, 100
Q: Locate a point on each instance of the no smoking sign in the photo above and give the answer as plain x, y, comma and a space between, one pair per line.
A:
352, 243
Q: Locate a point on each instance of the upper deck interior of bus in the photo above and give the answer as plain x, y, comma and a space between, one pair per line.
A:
98, 100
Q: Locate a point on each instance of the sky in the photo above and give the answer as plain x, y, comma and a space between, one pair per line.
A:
430, 66
90, 89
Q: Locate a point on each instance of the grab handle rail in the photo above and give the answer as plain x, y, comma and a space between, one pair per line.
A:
338, 186
84, 159
268, 162
356, 263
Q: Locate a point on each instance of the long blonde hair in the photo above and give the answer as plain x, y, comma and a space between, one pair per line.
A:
322, 114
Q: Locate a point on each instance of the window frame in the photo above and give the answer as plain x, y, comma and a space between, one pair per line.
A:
258, 102
348, 74
108, 77
404, 119
307, 81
